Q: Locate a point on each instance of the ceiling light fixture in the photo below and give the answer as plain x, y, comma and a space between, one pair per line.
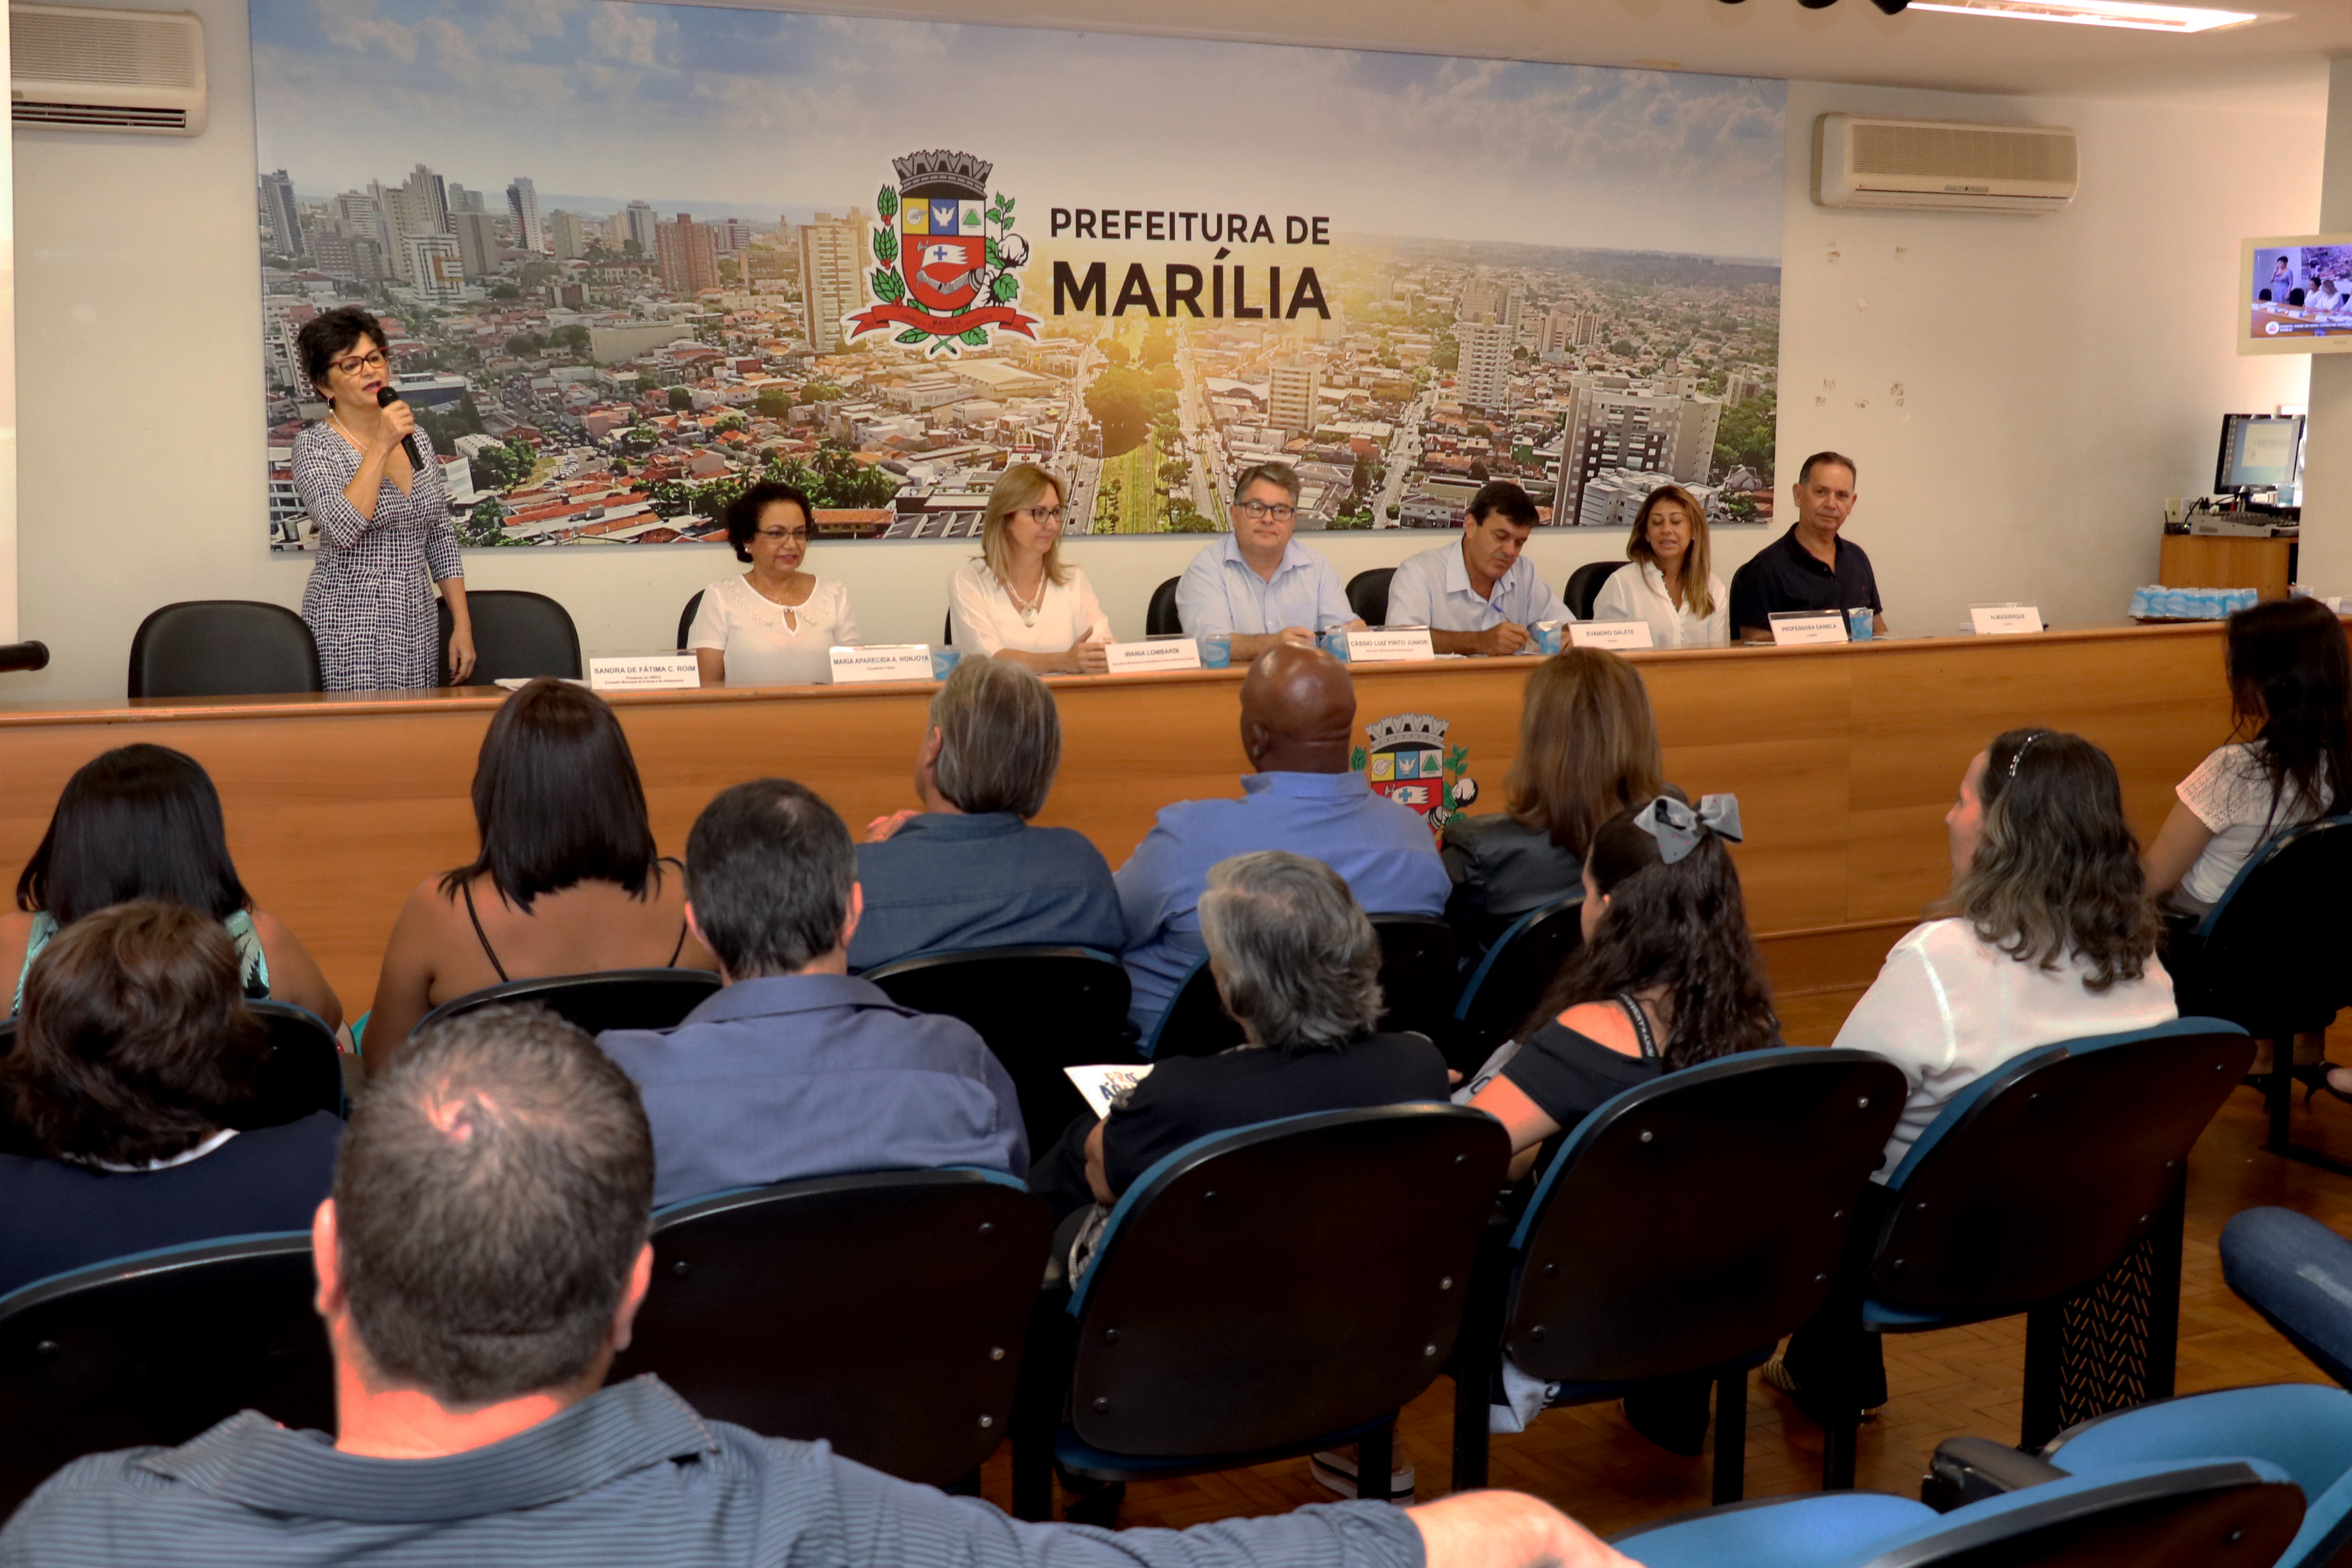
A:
2136, 14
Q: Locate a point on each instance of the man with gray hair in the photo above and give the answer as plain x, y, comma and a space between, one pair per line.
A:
1257, 584
479, 1266
968, 871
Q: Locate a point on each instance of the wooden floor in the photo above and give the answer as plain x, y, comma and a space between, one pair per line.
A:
1589, 1462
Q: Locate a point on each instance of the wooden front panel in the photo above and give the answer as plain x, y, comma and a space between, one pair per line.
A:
2224, 561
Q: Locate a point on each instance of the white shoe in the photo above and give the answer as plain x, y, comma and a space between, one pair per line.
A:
1335, 1471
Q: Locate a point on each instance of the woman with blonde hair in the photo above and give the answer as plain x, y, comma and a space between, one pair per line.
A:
1672, 585
1588, 750
1018, 601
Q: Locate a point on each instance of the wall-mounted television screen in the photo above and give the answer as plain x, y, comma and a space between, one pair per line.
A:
2294, 295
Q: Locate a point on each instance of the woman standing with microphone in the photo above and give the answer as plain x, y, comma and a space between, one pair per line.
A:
384, 533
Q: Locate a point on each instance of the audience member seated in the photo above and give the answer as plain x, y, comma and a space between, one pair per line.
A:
2049, 936
1297, 964
568, 883
1298, 717
144, 822
1020, 601
968, 871
1258, 585
795, 1069
1588, 750
133, 1043
2291, 695
1671, 586
774, 625
1668, 977
479, 1266
1478, 594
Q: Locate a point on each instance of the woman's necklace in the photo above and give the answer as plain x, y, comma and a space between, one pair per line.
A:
1035, 602
784, 611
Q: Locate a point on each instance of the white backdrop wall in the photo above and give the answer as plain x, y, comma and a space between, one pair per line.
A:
2060, 377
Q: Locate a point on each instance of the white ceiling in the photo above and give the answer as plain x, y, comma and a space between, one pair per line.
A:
2281, 61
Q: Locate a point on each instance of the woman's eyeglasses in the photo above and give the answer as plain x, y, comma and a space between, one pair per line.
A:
1044, 514
352, 364
785, 536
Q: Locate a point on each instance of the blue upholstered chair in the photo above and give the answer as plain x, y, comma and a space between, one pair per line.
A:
1511, 979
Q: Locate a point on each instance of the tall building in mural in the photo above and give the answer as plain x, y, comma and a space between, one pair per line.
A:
522, 204
687, 255
833, 275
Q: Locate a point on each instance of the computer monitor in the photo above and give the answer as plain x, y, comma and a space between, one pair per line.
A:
2260, 452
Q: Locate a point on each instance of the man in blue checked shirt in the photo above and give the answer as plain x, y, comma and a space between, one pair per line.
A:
1257, 584
479, 1266
1478, 594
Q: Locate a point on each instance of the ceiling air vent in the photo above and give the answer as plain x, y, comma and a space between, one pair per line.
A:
74, 68
1942, 165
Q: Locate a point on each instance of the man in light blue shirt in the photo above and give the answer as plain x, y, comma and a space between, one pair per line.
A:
1257, 585
1478, 595
1298, 722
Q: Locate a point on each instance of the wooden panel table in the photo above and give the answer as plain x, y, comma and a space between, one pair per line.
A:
1844, 759
2227, 561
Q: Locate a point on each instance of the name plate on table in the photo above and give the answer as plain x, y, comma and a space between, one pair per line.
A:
1792, 628
1157, 653
674, 672
1389, 645
2005, 620
1609, 634
882, 662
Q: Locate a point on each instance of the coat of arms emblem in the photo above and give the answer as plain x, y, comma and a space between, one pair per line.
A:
1407, 759
949, 260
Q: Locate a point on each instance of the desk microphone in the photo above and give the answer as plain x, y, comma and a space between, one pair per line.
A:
385, 398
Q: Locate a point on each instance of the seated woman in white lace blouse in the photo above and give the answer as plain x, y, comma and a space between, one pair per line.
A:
1018, 602
775, 624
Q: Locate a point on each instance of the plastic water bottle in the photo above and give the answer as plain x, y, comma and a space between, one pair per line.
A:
2139, 608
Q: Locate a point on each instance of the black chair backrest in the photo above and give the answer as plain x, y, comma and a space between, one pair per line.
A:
1243, 1320
223, 648
1759, 1157
946, 631
1159, 620
517, 636
2059, 1166
2272, 957
157, 1348
1419, 981
1039, 1008
885, 1313
1512, 978
1584, 585
1367, 594
617, 999
1196, 1023
686, 619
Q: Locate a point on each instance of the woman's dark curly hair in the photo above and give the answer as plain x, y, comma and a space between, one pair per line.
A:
329, 336
1684, 926
743, 514
2291, 692
2057, 870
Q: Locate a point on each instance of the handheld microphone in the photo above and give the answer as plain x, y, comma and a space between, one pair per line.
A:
385, 398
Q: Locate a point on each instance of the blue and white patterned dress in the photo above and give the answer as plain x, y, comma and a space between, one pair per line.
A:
369, 599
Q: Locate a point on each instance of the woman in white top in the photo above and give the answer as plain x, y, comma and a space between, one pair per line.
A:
1671, 585
2290, 693
774, 625
1018, 602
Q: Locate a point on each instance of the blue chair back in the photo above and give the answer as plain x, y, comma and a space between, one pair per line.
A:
2269, 955
615, 998
1225, 1313
1697, 1218
885, 1313
1160, 618
1511, 979
156, 1348
2035, 1180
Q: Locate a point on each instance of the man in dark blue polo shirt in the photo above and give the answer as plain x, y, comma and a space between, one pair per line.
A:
1810, 566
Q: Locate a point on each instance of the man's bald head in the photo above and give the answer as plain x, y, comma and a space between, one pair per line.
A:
1298, 712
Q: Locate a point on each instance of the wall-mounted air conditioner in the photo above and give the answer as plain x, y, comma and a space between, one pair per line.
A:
71, 68
1942, 165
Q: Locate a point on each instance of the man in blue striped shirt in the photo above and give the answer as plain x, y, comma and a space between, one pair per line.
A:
479, 1265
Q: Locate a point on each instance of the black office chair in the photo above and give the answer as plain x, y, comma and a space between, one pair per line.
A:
2033, 1183
1223, 1323
1161, 619
1419, 978
1367, 595
1585, 582
517, 636
686, 619
617, 999
1195, 1022
1039, 1008
1759, 1159
946, 631
1512, 978
156, 1348
885, 1313
223, 648
2270, 955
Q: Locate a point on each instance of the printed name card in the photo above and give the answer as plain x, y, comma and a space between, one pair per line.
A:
644, 671
1389, 645
1609, 634
1793, 629
1160, 653
1103, 1086
2005, 620
882, 662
